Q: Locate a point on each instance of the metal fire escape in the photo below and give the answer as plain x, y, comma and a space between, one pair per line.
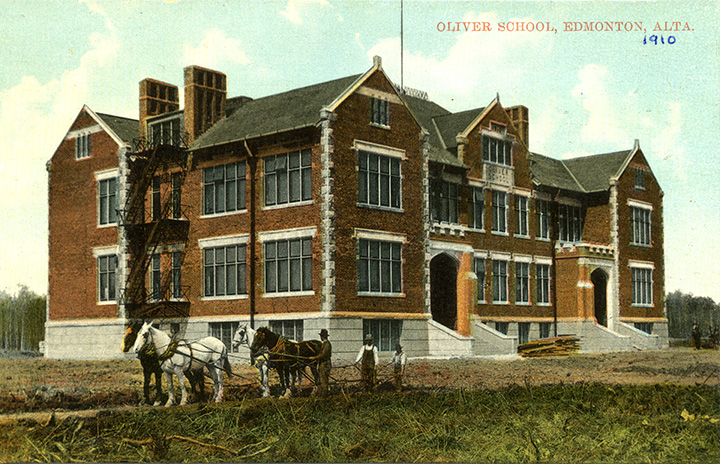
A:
152, 222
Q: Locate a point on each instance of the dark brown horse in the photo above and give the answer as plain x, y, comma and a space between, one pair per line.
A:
151, 366
288, 357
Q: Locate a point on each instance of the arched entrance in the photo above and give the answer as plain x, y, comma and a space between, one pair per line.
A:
443, 290
599, 280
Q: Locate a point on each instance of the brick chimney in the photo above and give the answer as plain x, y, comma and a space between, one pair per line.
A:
205, 93
156, 97
520, 118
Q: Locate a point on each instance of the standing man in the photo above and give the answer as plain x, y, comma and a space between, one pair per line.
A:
368, 359
398, 361
324, 362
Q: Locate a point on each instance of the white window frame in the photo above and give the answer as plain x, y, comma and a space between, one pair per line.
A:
276, 176
544, 219
288, 235
642, 273
480, 269
375, 236
102, 178
493, 144
453, 202
478, 192
500, 212
223, 242
82, 146
522, 216
500, 285
570, 223
543, 282
640, 223
393, 156
240, 184
106, 253
380, 112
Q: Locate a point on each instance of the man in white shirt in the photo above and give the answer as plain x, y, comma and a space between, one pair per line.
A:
367, 358
399, 360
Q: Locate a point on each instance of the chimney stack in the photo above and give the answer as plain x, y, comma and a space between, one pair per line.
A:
520, 118
205, 93
156, 97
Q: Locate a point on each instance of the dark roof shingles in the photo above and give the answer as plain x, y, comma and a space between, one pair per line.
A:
125, 128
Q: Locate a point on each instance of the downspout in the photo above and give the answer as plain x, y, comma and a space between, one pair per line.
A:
252, 164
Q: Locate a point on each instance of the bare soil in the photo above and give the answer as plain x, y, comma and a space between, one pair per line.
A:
32, 384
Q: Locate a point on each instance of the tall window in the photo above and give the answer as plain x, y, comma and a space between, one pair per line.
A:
500, 212
288, 178
570, 223
379, 266
108, 201
543, 219
225, 331
176, 196
543, 283
82, 146
502, 327
640, 225
545, 329
378, 180
155, 278
176, 274
166, 132
288, 266
380, 112
224, 268
444, 202
290, 329
521, 216
106, 277
523, 332
497, 151
522, 283
639, 179
500, 281
156, 208
480, 273
386, 333
642, 287
478, 208
224, 188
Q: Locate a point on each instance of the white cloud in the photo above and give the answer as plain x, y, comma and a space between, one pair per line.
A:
216, 48
296, 9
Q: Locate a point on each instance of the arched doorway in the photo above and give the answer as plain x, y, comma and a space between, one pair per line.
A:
443, 290
599, 281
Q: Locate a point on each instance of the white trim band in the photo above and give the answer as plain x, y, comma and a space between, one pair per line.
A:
238, 239
105, 251
639, 204
106, 174
379, 235
378, 149
288, 234
641, 265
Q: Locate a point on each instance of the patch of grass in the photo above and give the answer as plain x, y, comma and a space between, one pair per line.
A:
559, 423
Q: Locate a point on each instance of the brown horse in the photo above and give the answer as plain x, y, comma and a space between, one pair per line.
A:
151, 366
288, 357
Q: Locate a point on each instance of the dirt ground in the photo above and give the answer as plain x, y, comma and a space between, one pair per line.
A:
37, 384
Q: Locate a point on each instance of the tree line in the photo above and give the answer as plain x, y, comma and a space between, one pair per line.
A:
684, 310
22, 320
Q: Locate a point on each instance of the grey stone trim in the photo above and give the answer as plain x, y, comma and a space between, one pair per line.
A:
327, 210
121, 273
426, 221
614, 315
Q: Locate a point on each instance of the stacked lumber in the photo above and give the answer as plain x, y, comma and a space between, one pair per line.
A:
562, 345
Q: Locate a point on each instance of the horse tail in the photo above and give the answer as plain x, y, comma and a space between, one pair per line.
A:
226, 365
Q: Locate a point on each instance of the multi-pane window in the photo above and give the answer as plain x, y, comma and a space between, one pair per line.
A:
378, 180
543, 219
288, 266
522, 283
544, 329
290, 329
502, 327
166, 132
288, 178
497, 151
642, 287
225, 331
379, 266
380, 112
500, 212
82, 146
500, 281
224, 188
569, 223
156, 204
543, 283
478, 208
444, 202
523, 332
640, 225
108, 201
480, 273
155, 278
175, 185
386, 333
521, 216
224, 268
106, 277
646, 327
639, 179
176, 274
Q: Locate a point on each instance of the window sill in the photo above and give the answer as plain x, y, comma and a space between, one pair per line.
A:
448, 228
289, 294
383, 295
222, 298
214, 215
524, 303
287, 205
637, 305
105, 303
501, 302
641, 245
83, 158
500, 234
544, 305
526, 237
477, 231
389, 209
380, 126
542, 239
107, 226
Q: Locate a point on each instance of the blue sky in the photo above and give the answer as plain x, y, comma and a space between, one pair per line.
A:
588, 92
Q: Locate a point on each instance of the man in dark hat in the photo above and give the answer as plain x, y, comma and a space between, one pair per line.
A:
367, 358
324, 362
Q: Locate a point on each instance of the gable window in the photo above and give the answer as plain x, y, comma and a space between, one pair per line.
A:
497, 150
642, 286
288, 178
478, 209
225, 331
379, 267
166, 132
107, 265
224, 188
386, 333
379, 180
640, 225
569, 223
500, 281
543, 219
500, 212
639, 179
542, 275
480, 274
380, 112
82, 146
444, 202
522, 283
290, 329
107, 198
521, 216
288, 266
224, 269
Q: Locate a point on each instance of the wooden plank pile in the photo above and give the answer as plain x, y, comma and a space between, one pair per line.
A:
562, 345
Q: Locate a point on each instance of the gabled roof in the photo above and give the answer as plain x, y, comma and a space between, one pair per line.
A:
426, 111
284, 111
587, 174
125, 128
450, 125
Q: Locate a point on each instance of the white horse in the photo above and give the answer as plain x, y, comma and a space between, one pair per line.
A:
245, 335
186, 356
